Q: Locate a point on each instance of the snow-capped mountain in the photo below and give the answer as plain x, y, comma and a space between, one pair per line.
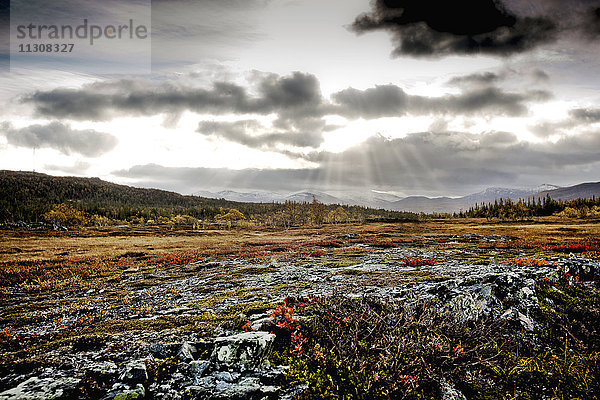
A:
390, 201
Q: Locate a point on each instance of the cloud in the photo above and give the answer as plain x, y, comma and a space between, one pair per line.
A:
296, 100
429, 28
390, 100
61, 137
485, 78
587, 115
578, 117
240, 132
296, 94
540, 75
449, 162
78, 168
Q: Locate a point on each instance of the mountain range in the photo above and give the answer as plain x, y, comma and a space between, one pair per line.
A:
378, 199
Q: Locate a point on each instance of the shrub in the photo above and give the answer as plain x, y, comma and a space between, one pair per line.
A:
371, 349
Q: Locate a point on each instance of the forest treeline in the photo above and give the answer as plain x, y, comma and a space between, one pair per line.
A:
68, 201
534, 207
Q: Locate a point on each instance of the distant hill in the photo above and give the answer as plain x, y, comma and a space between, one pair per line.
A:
271, 197
581, 191
27, 196
416, 204
449, 205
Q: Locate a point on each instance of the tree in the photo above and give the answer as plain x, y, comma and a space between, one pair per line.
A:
338, 215
292, 212
317, 212
231, 216
65, 215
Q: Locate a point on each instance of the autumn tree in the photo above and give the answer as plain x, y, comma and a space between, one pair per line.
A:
65, 215
230, 216
317, 212
338, 215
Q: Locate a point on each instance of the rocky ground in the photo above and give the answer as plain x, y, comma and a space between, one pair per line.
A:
185, 328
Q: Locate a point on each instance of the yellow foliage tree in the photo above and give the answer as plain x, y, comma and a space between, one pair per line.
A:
338, 215
65, 215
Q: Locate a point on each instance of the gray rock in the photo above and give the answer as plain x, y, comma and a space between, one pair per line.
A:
224, 376
134, 372
187, 352
449, 392
264, 324
244, 351
221, 386
247, 388
125, 392
42, 389
198, 368
164, 350
206, 382
102, 370
514, 315
273, 376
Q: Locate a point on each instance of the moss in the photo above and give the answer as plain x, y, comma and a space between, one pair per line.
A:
357, 272
253, 271
423, 276
186, 323
88, 342
340, 263
433, 278
219, 298
234, 317
20, 318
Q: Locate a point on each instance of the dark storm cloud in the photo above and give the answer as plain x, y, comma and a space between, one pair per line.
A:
448, 161
390, 100
4, 35
485, 78
426, 28
586, 115
295, 99
591, 21
295, 94
240, 132
61, 137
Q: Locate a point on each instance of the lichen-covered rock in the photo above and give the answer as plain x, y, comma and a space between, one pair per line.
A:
198, 368
449, 392
42, 389
516, 316
164, 350
122, 391
246, 389
187, 352
135, 372
244, 351
266, 324
102, 370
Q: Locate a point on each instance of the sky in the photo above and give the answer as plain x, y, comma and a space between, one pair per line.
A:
409, 97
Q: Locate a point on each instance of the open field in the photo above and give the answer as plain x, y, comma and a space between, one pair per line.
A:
79, 308
112, 242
